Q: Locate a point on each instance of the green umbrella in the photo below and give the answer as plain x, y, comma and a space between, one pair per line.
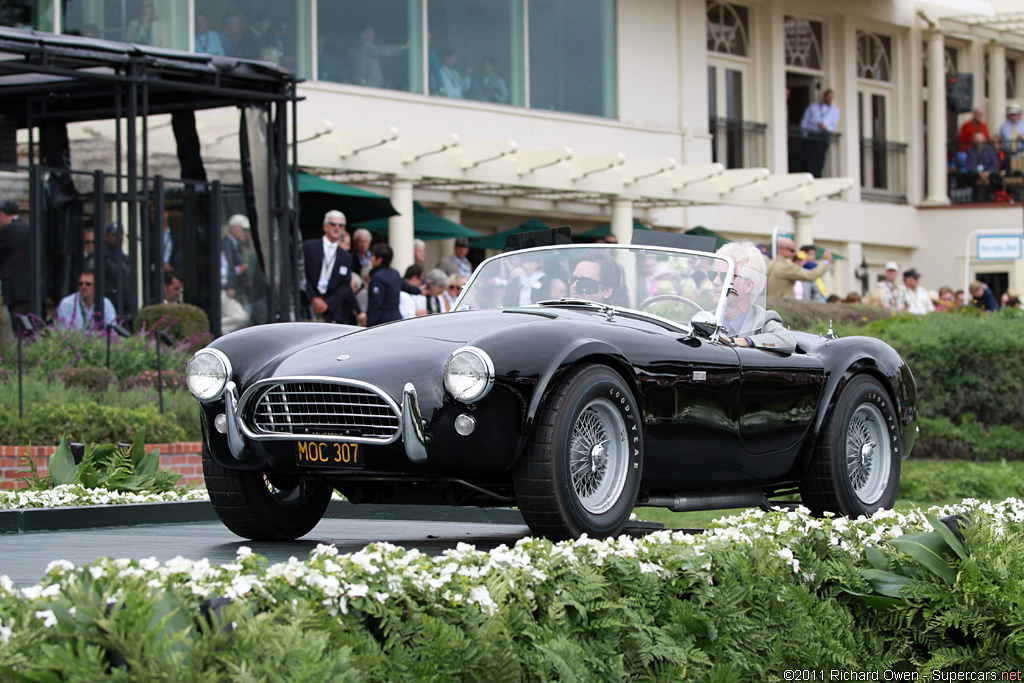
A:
427, 226
604, 230
318, 195
497, 240
704, 232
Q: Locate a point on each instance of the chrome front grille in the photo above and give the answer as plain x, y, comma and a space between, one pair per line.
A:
325, 408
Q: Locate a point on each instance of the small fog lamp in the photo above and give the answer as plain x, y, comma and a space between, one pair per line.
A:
465, 424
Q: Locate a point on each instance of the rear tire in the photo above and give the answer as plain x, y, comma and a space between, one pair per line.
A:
261, 506
855, 469
581, 471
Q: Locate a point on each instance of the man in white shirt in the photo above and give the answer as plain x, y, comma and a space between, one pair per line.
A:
412, 305
919, 301
1012, 130
820, 120
75, 311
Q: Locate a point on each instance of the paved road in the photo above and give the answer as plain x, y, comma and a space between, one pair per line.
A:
24, 557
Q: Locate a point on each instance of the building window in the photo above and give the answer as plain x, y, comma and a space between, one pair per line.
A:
1011, 79
278, 33
476, 50
728, 29
804, 43
874, 61
572, 56
376, 44
159, 23
27, 14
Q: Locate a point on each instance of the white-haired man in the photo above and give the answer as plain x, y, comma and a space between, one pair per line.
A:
361, 240
748, 324
329, 274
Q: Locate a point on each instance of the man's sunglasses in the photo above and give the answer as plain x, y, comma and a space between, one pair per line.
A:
585, 285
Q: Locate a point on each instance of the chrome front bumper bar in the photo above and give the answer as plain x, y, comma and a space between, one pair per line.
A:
412, 426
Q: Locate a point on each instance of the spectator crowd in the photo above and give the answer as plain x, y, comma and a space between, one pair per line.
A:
346, 279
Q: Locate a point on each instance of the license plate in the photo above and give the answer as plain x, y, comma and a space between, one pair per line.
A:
329, 454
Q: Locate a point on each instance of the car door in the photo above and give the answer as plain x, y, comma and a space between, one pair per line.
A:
690, 392
777, 399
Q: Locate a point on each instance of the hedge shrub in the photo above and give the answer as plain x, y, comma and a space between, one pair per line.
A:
89, 422
752, 599
58, 350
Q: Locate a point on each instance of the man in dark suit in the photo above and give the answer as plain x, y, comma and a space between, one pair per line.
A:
15, 243
329, 273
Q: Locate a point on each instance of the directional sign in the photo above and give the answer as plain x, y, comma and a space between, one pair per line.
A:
1000, 247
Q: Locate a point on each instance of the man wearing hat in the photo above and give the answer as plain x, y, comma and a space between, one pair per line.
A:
919, 301
458, 263
233, 261
1012, 130
15, 242
889, 293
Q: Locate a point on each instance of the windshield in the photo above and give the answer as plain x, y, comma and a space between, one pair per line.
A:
669, 283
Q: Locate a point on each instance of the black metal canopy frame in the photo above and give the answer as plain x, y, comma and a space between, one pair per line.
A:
49, 80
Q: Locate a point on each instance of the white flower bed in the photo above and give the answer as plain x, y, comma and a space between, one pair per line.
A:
465, 576
76, 495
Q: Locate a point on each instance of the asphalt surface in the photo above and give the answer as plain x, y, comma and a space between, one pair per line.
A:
24, 556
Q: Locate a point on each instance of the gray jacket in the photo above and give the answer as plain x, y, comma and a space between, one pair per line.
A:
766, 331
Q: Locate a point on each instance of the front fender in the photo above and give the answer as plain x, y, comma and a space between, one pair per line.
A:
853, 356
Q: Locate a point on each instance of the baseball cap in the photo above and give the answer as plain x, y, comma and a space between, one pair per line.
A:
8, 207
892, 265
912, 273
462, 242
1013, 108
113, 228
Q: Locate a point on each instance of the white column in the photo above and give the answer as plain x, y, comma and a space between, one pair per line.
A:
996, 88
446, 247
400, 227
622, 219
803, 228
938, 189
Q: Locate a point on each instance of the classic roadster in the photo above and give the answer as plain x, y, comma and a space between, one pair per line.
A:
573, 382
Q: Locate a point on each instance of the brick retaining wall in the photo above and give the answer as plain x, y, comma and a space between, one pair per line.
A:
185, 458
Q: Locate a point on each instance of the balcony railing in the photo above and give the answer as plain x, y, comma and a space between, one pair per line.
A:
967, 186
883, 171
814, 153
738, 144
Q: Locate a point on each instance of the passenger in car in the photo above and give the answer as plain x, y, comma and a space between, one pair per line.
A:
748, 324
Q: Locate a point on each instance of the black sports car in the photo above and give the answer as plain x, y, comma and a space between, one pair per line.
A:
573, 382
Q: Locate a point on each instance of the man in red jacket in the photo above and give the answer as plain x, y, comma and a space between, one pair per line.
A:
969, 129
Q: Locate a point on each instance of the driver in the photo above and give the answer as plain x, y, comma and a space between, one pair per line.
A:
746, 323
595, 278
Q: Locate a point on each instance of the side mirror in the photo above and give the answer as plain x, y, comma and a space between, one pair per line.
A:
704, 324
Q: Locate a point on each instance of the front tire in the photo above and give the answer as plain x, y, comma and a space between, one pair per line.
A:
581, 471
855, 469
262, 506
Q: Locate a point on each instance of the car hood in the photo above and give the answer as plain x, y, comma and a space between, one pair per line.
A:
388, 356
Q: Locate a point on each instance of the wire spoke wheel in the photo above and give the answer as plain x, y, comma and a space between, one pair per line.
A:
599, 455
868, 454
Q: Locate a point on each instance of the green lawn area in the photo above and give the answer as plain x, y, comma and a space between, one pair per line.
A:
923, 483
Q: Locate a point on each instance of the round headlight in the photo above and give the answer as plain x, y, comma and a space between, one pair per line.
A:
207, 374
468, 374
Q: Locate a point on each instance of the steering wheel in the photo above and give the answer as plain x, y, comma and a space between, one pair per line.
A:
669, 297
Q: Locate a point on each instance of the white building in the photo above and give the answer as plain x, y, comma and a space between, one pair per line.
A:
617, 109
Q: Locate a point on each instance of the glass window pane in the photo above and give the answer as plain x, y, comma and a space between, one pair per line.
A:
475, 50
572, 56
255, 29
375, 44
29, 14
160, 23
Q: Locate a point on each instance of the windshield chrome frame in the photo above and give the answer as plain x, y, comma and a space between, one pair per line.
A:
719, 310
